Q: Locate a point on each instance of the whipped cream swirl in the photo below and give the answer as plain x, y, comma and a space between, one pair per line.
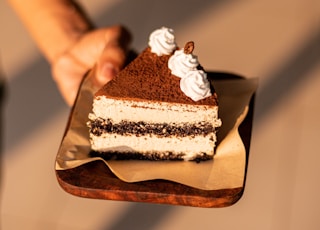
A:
193, 82
195, 85
180, 63
162, 41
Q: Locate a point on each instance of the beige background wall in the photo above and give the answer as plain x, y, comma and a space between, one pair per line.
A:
277, 41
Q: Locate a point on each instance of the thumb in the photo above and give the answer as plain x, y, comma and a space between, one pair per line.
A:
114, 55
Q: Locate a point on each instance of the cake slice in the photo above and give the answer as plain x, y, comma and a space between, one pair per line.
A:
149, 112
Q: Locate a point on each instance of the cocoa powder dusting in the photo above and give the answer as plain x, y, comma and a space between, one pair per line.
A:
149, 78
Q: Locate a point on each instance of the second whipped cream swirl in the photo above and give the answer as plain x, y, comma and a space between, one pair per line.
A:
194, 82
181, 63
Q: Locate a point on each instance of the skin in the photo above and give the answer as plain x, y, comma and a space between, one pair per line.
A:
71, 44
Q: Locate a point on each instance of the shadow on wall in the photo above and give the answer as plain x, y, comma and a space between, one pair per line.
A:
284, 80
2, 95
143, 16
31, 100
140, 216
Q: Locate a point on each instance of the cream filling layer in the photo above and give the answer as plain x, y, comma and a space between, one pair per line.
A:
190, 146
155, 112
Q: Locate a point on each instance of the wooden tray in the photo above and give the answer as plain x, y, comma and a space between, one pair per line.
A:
95, 180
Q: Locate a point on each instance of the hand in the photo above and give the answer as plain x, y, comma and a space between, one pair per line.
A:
107, 48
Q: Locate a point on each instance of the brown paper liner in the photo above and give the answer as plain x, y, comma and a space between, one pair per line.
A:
225, 171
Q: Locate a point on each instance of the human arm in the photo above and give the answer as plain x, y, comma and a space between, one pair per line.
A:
72, 46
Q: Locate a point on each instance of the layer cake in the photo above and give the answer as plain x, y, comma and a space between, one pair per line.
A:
149, 112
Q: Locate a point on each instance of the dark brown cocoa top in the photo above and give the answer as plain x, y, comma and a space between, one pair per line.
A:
148, 78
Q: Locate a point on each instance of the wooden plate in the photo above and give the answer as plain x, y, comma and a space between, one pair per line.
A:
95, 180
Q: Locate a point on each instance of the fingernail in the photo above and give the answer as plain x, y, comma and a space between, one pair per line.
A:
107, 72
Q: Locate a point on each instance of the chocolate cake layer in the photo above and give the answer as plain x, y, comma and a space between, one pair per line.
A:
153, 156
100, 126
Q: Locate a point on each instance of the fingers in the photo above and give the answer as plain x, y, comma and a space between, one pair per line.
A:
114, 55
107, 48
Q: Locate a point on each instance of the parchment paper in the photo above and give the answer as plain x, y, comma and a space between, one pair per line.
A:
225, 171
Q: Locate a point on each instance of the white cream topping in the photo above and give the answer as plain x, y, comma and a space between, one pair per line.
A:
190, 146
193, 82
195, 85
181, 63
162, 41
154, 112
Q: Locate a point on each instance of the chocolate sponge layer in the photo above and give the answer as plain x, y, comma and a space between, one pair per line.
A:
100, 126
152, 156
